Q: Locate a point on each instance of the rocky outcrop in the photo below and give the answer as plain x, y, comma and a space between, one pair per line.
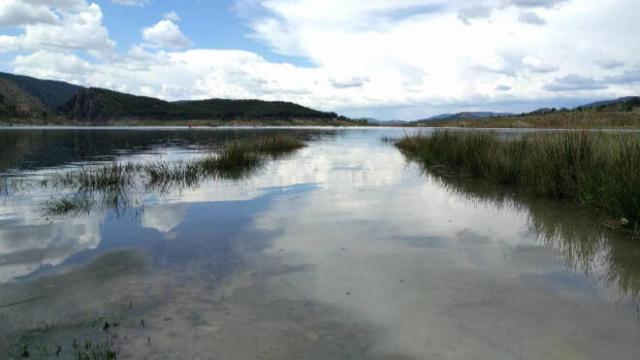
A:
88, 106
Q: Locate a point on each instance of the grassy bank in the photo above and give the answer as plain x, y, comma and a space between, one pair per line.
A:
593, 168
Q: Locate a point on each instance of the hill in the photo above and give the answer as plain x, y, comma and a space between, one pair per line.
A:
617, 113
14, 102
52, 93
621, 104
100, 105
29, 100
467, 115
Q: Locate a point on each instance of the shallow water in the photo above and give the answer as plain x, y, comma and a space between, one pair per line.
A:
342, 250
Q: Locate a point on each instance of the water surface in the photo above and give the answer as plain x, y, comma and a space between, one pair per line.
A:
343, 250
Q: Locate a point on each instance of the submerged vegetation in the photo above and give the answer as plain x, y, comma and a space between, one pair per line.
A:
593, 168
98, 339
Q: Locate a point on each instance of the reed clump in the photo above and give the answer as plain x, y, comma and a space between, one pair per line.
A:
274, 145
111, 176
596, 168
110, 186
237, 160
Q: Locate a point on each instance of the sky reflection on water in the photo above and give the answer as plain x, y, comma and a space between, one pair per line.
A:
426, 267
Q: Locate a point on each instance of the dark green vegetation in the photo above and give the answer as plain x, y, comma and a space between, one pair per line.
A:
26, 100
14, 102
111, 186
593, 168
99, 106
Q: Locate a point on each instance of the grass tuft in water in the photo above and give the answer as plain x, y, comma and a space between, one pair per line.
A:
110, 186
233, 160
112, 176
595, 168
275, 145
73, 205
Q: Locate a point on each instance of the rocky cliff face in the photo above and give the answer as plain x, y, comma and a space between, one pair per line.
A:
87, 106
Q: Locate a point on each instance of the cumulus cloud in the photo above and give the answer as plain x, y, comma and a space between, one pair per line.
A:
166, 34
61, 24
19, 13
415, 56
628, 77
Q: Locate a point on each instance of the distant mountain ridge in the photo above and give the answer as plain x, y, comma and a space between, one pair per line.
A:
628, 103
623, 103
31, 98
468, 115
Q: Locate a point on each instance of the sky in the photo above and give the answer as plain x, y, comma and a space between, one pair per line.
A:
384, 59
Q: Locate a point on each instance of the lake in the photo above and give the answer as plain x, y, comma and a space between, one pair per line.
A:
341, 250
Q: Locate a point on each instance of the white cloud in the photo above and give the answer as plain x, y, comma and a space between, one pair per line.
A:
173, 16
575, 82
628, 77
60, 24
408, 58
474, 12
19, 13
166, 34
48, 65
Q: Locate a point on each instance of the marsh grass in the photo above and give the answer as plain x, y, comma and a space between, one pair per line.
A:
111, 186
5, 187
232, 163
388, 139
113, 176
74, 205
10, 185
275, 145
594, 168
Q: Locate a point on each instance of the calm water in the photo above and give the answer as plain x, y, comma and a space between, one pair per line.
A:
342, 250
